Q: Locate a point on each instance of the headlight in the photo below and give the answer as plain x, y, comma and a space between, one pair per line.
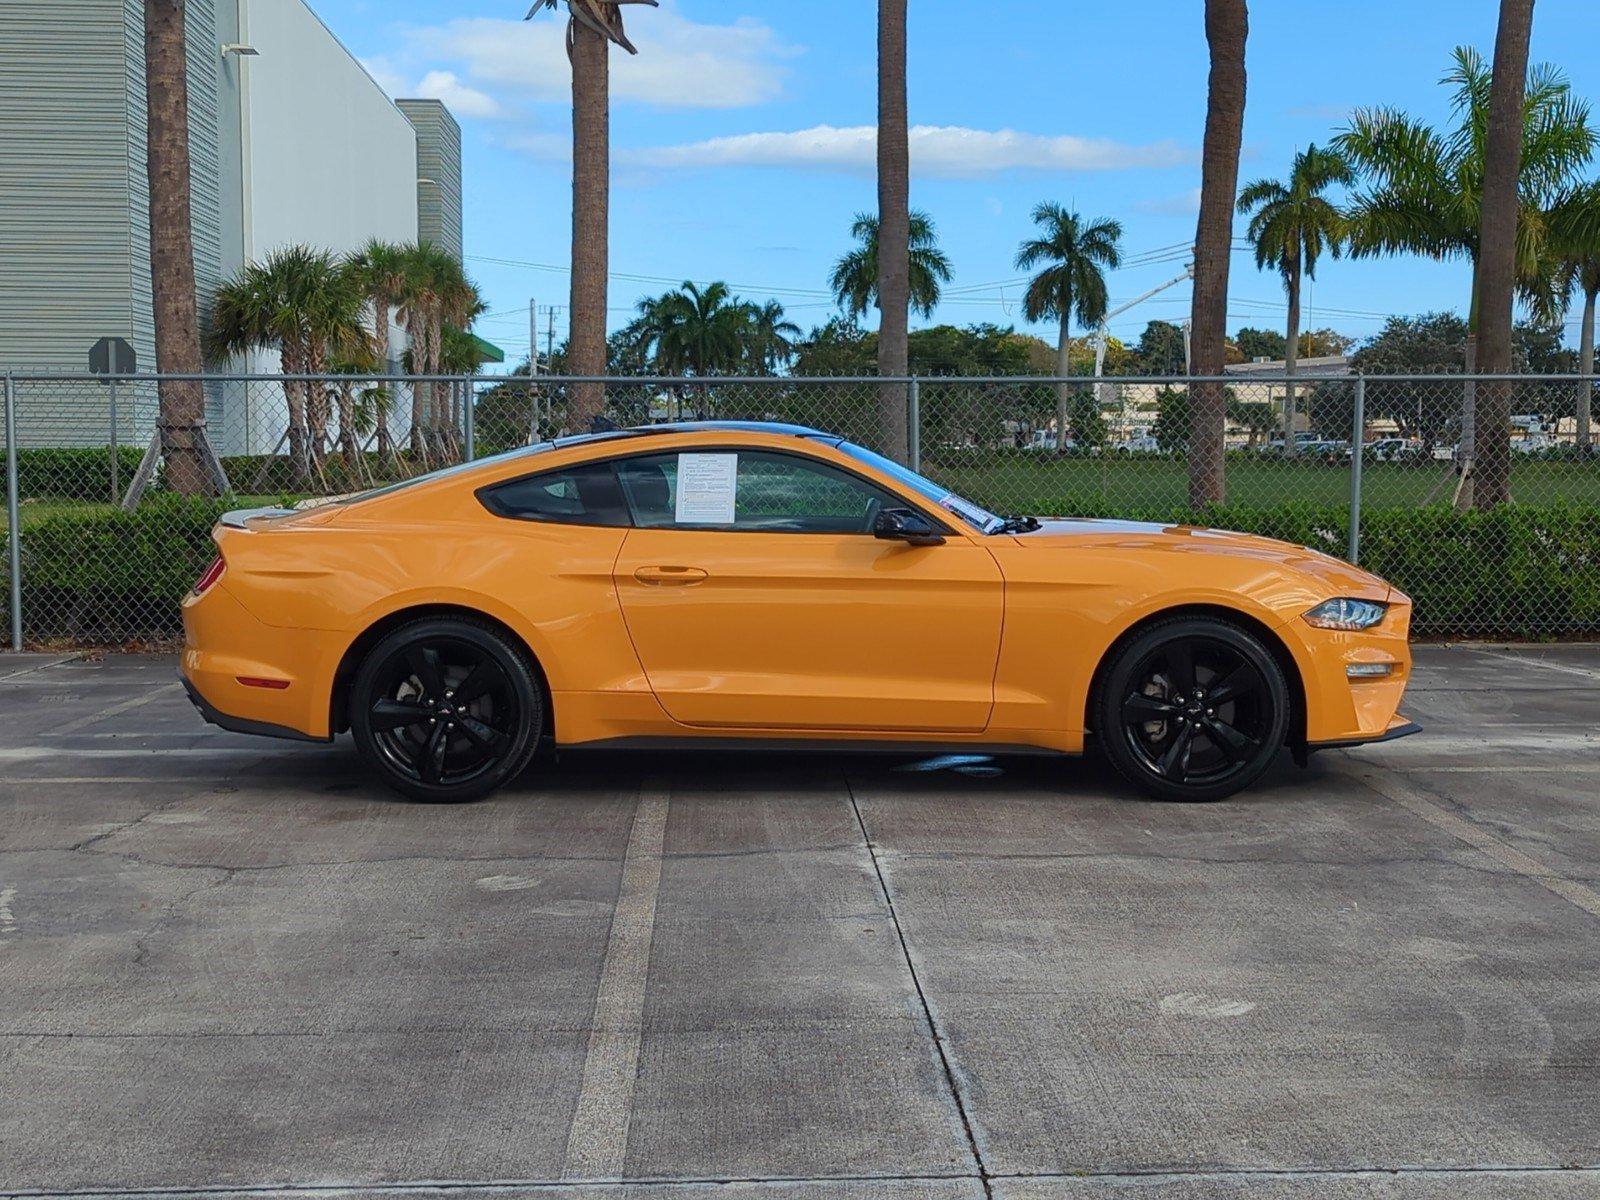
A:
1346, 614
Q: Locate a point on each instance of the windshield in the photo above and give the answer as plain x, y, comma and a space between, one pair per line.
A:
979, 518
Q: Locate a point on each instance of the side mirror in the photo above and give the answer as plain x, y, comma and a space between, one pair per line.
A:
903, 525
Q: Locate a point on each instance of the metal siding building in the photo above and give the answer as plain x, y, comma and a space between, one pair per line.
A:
438, 173
74, 197
294, 144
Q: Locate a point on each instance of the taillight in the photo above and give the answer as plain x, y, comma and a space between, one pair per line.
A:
213, 573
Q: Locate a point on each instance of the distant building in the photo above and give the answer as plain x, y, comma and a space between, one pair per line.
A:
291, 141
438, 173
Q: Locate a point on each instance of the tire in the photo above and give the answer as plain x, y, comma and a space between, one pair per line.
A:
1193, 748
424, 737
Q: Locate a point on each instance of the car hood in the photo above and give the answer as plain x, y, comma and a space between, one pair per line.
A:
1155, 538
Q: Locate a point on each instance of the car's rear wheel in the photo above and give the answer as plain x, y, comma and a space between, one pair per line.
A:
1193, 709
446, 710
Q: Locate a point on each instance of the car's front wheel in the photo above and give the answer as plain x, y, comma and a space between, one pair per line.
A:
1193, 709
446, 710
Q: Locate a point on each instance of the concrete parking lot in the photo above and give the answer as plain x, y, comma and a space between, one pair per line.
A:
229, 965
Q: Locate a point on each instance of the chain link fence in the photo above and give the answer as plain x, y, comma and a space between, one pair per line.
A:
1379, 469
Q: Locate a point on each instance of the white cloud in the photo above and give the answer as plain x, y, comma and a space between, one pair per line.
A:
680, 64
946, 151
462, 100
386, 75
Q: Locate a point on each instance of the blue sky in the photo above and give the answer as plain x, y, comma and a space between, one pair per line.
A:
741, 136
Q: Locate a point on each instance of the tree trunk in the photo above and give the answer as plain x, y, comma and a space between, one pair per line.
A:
294, 394
1497, 265
318, 409
1063, 388
177, 324
1291, 354
348, 449
380, 338
1227, 28
1586, 369
894, 228
591, 214
417, 327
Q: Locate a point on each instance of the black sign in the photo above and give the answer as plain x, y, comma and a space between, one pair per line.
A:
112, 356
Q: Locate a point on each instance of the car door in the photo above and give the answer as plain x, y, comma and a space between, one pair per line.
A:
757, 597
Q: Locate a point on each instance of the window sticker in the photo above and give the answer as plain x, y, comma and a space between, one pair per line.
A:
708, 488
965, 508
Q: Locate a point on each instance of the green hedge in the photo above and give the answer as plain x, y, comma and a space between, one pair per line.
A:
74, 474
109, 577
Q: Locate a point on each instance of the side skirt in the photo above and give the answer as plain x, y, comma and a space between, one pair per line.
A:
738, 745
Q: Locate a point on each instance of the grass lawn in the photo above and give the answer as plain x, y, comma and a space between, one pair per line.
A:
1040, 483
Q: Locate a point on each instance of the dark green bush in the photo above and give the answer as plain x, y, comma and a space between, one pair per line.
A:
111, 577
108, 577
76, 473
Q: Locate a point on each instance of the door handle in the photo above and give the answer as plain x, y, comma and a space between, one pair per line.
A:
670, 576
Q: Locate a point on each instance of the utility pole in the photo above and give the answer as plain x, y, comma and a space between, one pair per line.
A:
533, 338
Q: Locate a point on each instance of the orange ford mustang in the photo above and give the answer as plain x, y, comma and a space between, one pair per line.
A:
756, 584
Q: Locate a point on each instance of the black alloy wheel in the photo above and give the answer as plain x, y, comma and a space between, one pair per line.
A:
446, 710
1193, 709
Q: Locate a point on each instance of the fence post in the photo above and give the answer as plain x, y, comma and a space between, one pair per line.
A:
914, 424
1357, 438
116, 474
13, 524
469, 431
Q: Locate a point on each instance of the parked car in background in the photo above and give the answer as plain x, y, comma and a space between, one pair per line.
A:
1394, 450
1327, 451
1138, 445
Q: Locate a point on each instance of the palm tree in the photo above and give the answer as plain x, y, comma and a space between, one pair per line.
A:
1227, 31
592, 27
1575, 235
1293, 223
435, 293
1425, 187
300, 302
1497, 243
894, 227
379, 271
770, 337
692, 330
1073, 284
174, 301
855, 276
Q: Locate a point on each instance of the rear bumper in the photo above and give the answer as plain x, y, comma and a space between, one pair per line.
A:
246, 675
215, 716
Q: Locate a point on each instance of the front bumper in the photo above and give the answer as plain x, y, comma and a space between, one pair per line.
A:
1398, 728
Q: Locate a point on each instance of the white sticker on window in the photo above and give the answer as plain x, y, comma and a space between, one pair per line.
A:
708, 488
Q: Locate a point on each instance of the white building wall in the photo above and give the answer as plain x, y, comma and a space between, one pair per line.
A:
328, 161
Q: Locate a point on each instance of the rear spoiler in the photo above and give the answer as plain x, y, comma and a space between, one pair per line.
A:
240, 518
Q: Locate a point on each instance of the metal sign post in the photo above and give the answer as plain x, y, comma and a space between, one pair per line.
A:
13, 524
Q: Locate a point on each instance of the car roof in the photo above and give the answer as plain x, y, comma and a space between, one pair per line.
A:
771, 428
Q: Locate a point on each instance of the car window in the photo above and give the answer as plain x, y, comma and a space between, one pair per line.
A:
583, 494
749, 490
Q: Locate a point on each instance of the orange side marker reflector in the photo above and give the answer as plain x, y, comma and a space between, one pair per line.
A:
276, 685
